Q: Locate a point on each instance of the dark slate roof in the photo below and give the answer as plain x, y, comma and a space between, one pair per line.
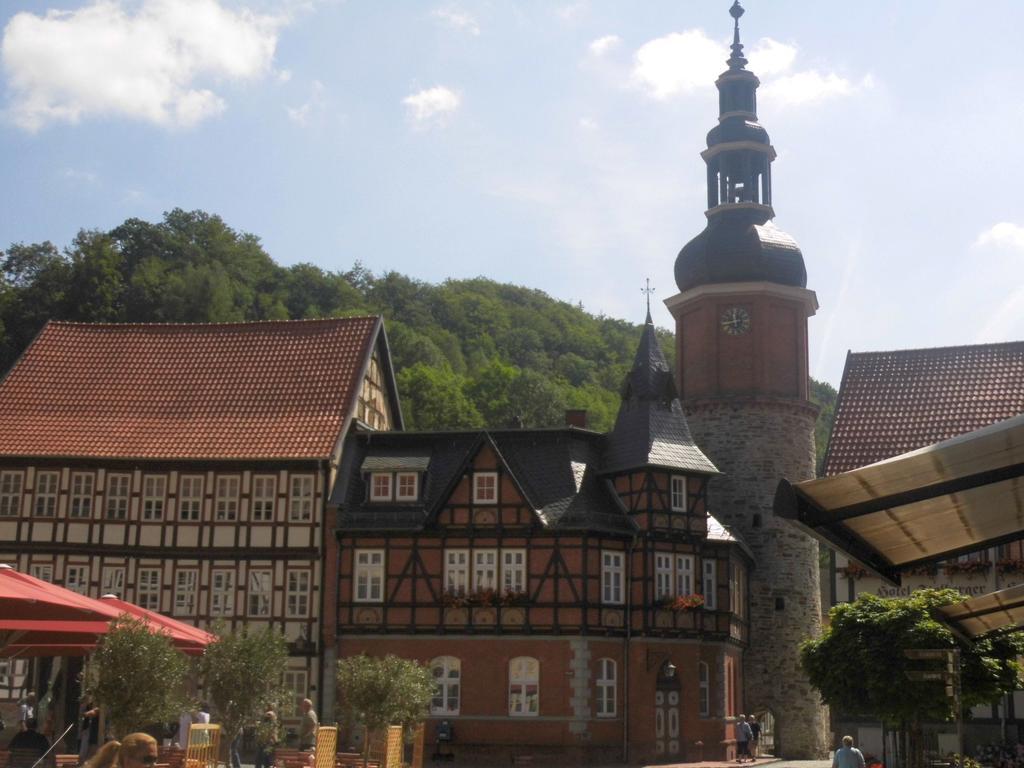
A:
738, 245
556, 469
894, 402
650, 428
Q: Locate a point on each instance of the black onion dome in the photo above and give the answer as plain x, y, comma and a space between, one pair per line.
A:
737, 129
739, 246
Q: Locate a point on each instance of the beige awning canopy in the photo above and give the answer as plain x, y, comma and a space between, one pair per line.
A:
956, 496
987, 613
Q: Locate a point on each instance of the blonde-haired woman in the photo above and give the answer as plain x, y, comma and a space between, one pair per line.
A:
136, 750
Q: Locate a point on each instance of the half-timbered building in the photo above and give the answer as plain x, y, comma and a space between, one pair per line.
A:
569, 589
186, 468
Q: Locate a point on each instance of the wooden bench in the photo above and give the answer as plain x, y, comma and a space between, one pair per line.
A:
67, 761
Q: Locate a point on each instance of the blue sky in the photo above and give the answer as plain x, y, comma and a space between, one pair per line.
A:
550, 144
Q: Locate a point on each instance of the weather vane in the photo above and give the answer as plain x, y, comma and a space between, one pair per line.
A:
647, 292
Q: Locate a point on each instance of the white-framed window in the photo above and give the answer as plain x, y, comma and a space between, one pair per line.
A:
485, 487
45, 504
737, 590
118, 495
43, 571
190, 498
185, 581
225, 505
611, 578
524, 687
300, 501
76, 578
606, 687
703, 689
447, 672
222, 592
485, 569
81, 494
264, 491
260, 597
380, 486
154, 495
456, 571
112, 580
297, 682
369, 576
513, 570
6, 673
710, 584
147, 588
684, 574
662, 575
407, 486
678, 493
297, 594
10, 494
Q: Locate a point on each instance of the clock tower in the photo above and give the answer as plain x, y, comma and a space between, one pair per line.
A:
741, 333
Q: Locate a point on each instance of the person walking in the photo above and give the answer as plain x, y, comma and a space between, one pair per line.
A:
755, 737
88, 731
307, 730
848, 756
268, 735
743, 737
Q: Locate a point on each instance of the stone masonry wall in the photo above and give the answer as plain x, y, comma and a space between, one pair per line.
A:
754, 443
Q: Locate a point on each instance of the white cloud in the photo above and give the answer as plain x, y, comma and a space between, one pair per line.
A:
77, 175
1002, 235
145, 64
770, 57
431, 104
603, 45
679, 62
1005, 322
573, 11
810, 85
312, 107
457, 19
588, 124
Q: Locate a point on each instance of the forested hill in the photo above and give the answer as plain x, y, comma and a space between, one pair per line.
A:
467, 352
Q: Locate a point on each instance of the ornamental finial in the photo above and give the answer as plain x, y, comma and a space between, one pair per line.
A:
737, 60
648, 291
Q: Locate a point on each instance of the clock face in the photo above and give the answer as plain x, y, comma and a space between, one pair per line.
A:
735, 320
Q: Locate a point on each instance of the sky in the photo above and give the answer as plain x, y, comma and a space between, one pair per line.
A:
554, 144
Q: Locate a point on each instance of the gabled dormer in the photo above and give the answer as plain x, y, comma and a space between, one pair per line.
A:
655, 468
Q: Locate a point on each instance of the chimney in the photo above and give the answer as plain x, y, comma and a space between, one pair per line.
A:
575, 417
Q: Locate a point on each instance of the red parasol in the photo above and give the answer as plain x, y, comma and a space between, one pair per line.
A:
42, 619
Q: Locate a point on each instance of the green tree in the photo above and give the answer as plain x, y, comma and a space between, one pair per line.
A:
378, 692
432, 398
136, 676
858, 664
244, 674
824, 396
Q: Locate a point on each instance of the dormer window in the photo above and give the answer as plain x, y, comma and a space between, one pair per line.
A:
407, 486
485, 488
380, 486
678, 493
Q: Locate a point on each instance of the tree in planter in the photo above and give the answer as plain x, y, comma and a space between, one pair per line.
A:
243, 673
136, 676
859, 667
378, 692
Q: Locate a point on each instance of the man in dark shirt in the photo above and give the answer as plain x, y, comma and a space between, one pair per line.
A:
28, 746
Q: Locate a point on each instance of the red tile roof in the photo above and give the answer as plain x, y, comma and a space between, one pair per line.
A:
269, 390
894, 402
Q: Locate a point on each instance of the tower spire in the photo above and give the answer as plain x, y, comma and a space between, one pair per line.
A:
737, 60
